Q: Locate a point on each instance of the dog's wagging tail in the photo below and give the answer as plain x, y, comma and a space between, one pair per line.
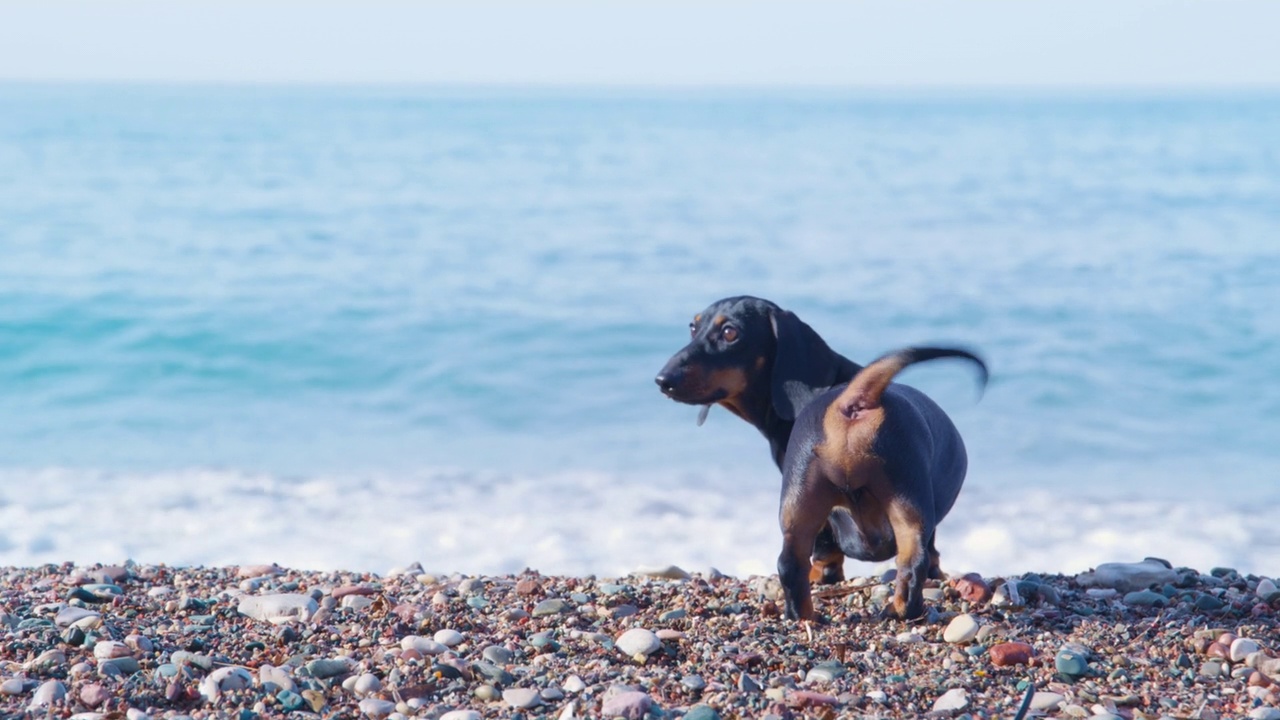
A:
882, 465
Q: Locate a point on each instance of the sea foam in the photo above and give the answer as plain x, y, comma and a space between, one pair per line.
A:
566, 523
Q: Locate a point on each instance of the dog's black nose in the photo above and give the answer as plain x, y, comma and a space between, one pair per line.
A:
668, 381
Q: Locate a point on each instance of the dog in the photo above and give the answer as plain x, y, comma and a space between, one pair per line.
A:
881, 465
763, 364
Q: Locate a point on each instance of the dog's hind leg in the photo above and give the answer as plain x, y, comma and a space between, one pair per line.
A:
828, 558
913, 533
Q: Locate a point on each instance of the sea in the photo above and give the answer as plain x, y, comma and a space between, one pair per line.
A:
360, 327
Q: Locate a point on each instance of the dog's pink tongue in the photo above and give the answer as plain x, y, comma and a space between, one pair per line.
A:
702, 414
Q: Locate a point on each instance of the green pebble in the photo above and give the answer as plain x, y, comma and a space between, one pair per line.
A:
1209, 603
702, 712
290, 700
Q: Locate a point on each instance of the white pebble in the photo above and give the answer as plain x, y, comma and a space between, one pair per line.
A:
638, 641
461, 715
424, 645
279, 608
574, 685
1242, 648
953, 699
373, 707
49, 692
1265, 588
224, 679
367, 684
448, 637
521, 697
961, 629
108, 649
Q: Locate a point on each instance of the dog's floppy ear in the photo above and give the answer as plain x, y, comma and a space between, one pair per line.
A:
803, 364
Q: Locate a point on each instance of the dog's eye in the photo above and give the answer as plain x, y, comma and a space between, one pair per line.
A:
729, 333
693, 329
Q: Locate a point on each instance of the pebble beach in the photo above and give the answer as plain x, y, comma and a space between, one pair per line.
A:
1124, 640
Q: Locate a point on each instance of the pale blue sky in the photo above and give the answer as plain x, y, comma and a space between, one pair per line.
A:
1054, 43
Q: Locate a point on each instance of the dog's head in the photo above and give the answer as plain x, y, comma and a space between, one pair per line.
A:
750, 355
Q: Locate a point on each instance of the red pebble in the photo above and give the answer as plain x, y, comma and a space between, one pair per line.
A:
345, 590
808, 698
1218, 650
973, 588
528, 586
1227, 638
1011, 653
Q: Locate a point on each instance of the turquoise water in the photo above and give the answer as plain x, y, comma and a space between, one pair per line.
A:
302, 281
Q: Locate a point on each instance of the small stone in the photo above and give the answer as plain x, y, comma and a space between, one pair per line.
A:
1208, 603
552, 694
668, 572
93, 695
225, 679
528, 586
279, 608
366, 684
49, 692
290, 700
521, 698
1218, 650
424, 645
448, 637
551, 606
13, 686
952, 700
253, 571
1007, 595
274, 679
638, 641
1127, 577
809, 698
1242, 648
315, 699
702, 712
693, 682
1044, 700
961, 629
670, 615
574, 685
1264, 713
487, 693
631, 705
1011, 653
1266, 588
325, 668
71, 614
1211, 669
1071, 663
1145, 598
973, 588
109, 649
375, 708
356, 602
497, 654
461, 715
825, 672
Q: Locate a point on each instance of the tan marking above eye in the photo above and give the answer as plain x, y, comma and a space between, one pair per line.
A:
720, 320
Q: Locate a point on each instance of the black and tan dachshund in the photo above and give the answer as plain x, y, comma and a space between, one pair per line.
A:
882, 465
765, 365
